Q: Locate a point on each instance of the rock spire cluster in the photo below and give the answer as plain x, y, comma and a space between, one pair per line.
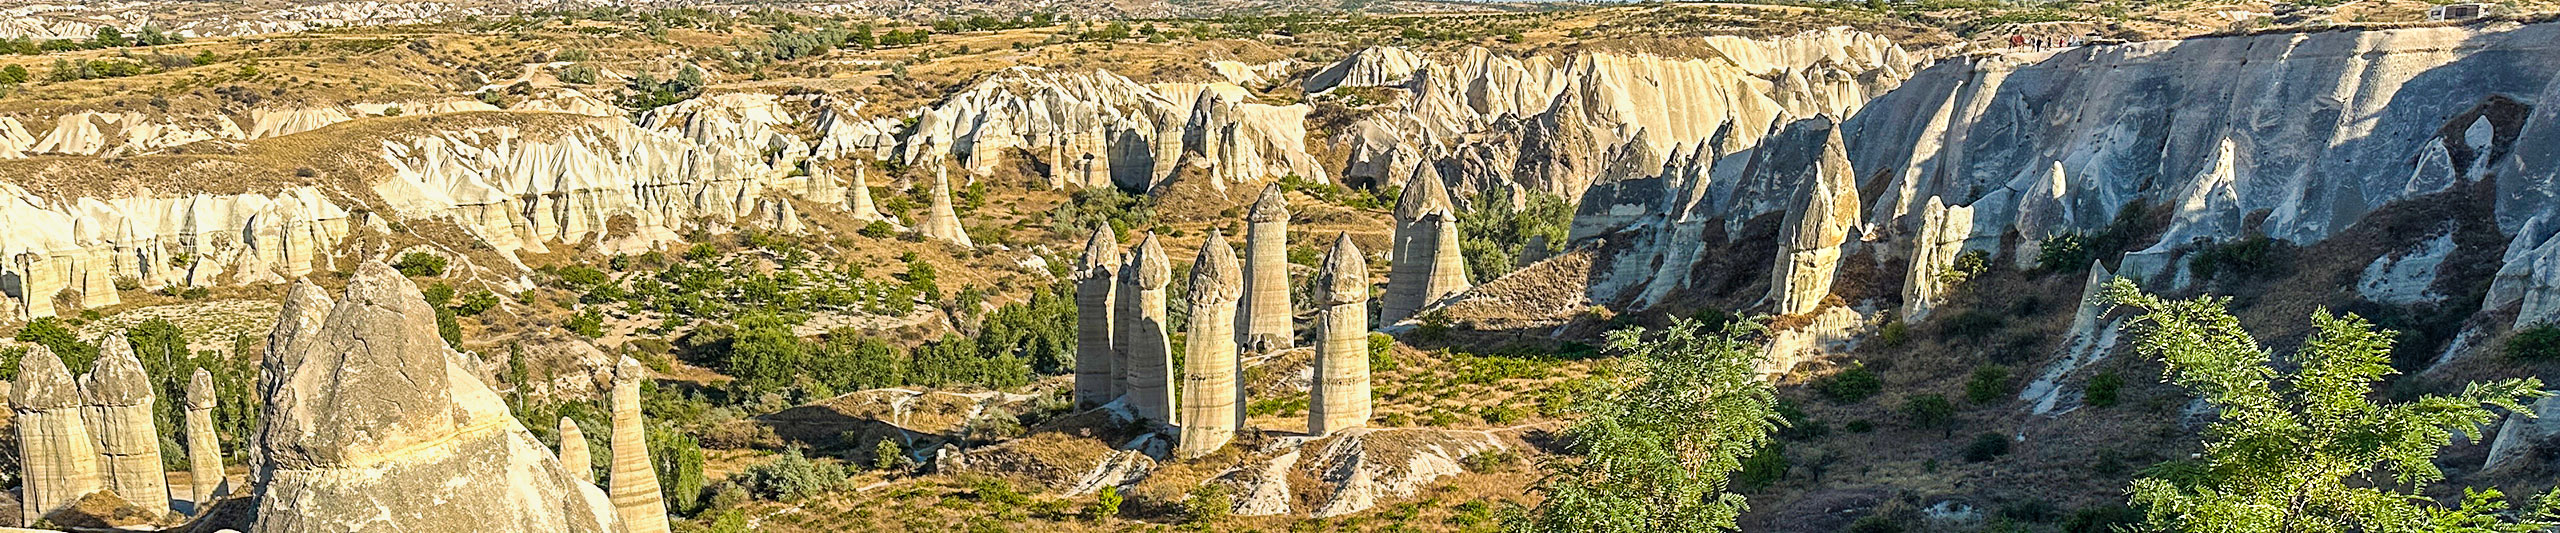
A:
636, 498
57, 459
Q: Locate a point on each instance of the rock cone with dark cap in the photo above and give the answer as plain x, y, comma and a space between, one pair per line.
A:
378, 427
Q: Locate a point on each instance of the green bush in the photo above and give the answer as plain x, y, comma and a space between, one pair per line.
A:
2251, 256
1850, 386
1985, 447
2539, 342
1763, 468
791, 477
1207, 504
1928, 411
1106, 504
1382, 352
2101, 519
420, 265
2102, 389
1989, 384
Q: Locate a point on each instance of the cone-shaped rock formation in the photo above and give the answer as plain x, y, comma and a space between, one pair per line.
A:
377, 426
1146, 355
1212, 397
635, 482
1264, 324
120, 401
1097, 372
573, 452
1818, 221
941, 222
57, 459
204, 449
1426, 264
1340, 399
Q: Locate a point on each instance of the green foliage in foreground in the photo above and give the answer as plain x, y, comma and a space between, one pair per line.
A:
2310, 449
1656, 454
1496, 237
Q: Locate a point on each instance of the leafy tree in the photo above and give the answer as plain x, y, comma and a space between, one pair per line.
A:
77, 355
679, 469
1497, 236
1658, 454
2302, 444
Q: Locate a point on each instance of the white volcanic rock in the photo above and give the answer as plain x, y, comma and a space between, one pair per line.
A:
565, 100
377, 426
1943, 231
1092, 129
2315, 130
87, 243
130, 133
1552, 124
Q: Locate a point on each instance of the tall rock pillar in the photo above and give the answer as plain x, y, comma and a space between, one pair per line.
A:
1097, 366
120, 399
573, 452
636, 498
1146, 356
57, 459
1265, 322
1340, 399
1425, 263
1943, 230
941, 222
38, 282
1212, 397
204, 449
1817, 222
857, 199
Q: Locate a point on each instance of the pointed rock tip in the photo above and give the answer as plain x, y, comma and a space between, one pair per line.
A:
118, 379
1271, 207
1214, 275
43, 383
200, 390
1101, 251
1153, 268
1423, 193
629, 370
1346, 273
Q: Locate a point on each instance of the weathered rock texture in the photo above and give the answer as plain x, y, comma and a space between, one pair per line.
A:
1097, 129
1340, 399
1817, 222
119, 399
573, 452
1551, 124
1943, 231
1212, 394
941, 223
1265, 322
204, 448
1146, 355
57, 458
636, 498
1425, 264
857, 199
1097, 365
377, 426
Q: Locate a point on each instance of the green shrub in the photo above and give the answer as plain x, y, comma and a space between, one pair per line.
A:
2101, 519
1106, 504
1929, 411
2251, 256
1989, 384
420, 265
1207, 504
2102, 389
1850, 386
1382, 352
2539, 342
888, 456
1763, 468
791, 476
1985, 447
1895, 334
877, 229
